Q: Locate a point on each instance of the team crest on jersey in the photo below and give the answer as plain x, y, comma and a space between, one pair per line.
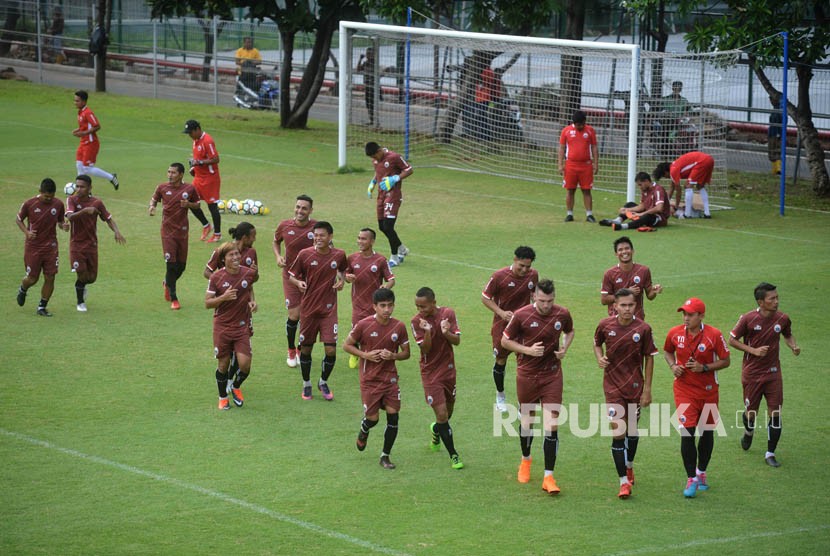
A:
244, 283
636, 279
185, 195
701, 348
373, 268
777, 328
558, 325
636, 338
215, 352
682, 419
585, 135
248, 261
310, 235
333, 264
612, 412
429, 400
386, 164
394, 337
531, 285
75, 265
54, 211
167, 256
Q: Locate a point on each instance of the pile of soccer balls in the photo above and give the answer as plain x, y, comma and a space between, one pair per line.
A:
246, 206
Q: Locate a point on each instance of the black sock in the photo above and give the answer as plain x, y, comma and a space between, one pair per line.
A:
748, 425
240, 378
200, 216
445, 432
42, 304
551, 447
498, 376
366, 425
216, 216
391, 432
328, 367
704, 449
305, 366
79, 291
291, 332
631, 443
170, 278
688, 451
222, 383
773, 433
525, 439
618, 453
22, 289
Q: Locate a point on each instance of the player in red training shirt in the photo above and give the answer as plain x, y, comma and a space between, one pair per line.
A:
507, 290
629, 275
695, 353
37, 219
297, 234
87, 132
366, 271
696, 168
578, 163
230, 293
379, 341
204, 167
318, 273
436, 331
758, 334
390, 171
534, 335
651, 213
176, 198
628, 364
83, 211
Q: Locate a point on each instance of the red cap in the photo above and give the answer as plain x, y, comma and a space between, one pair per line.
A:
692, 305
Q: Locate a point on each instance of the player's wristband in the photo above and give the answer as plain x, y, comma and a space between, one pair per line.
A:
705, 368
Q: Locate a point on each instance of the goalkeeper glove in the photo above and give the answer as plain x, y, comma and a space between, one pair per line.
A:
371, 187
389, 182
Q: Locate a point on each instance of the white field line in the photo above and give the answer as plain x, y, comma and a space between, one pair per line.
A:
205, 491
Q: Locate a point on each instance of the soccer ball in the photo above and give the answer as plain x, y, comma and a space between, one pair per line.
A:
265, 210
69, 188
233, 206
256, 207
247, 205
221, 205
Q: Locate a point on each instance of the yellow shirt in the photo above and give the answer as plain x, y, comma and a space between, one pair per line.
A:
247, 54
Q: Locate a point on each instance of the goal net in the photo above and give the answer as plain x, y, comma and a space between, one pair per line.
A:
496, 104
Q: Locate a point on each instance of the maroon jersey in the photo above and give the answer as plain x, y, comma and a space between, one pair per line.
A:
705, 347
319, 272
654, 197
84, 227
616, 278
372, 335
232, 317
755, 330
174, 221
389, 165
248, 259
625, 347
440, 361
42, 218
528, 327
369, 274
296, 238
509, 292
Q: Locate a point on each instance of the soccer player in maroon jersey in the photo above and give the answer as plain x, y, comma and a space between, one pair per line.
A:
758, 334
297, 234
366, 271
696, 168
83, 211
627, 274
37, 219
204, 167
176, 198
578, 163
379, 341
508, 289
390, 171
230, 293
534, 335
652, 212
318, 273
436, 331
87, 133
695, 353
628, 364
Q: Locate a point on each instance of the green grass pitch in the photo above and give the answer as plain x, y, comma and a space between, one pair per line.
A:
112, 443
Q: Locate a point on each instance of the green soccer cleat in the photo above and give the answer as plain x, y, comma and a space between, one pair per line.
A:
456, 462
435, 442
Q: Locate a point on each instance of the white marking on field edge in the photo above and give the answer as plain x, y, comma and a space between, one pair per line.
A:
207, 492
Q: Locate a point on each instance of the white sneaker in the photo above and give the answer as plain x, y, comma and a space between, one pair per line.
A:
81, 307
294, 361
501, 403
403, 251
394, 261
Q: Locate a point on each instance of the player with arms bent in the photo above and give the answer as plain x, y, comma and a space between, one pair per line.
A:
390, 171
204, 167
653, 211
87, 132
627, 274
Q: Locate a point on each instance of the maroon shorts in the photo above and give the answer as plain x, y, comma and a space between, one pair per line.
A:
292, 293
40, 261
544, 388
620, 408
578, 174
324, 325
208, 189
771, 387
175, 249
85, 261
439, 390
225, 344
380, 395
701, 174
388, 208
497, 333
696, 407
87, 153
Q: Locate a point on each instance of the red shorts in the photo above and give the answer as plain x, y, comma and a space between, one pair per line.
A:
175, 249
543, 388
388, 207
696, 406
42, 261
497, 333
292, 293
324, 325
85, 261
380, 395
577, 173
770, 387
439, 390
208, 189
701, 174
88, 153
225, 344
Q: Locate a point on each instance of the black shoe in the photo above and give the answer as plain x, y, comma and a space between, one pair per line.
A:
41, 311
569, 218
590, 218
114, 181
771, 461
362, 437
605, 222
385, 463
746, 441
21, 297
707, 216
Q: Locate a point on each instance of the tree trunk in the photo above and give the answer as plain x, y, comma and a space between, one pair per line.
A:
287, 38
9, 26
313, 76
103, 18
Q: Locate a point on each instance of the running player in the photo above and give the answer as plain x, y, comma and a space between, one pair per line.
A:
390, 171
627, 274
87, 132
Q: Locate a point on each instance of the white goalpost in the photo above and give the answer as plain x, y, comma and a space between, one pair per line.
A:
496, 104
